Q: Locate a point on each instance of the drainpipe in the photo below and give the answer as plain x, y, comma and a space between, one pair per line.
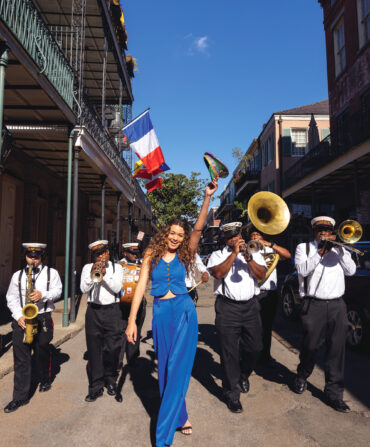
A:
74, 233
65, 319
280, 148
3, 64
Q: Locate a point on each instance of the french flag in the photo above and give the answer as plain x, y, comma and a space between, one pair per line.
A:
140, 170
144, 141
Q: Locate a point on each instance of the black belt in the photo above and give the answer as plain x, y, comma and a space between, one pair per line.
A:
236, 301
324, 300
99, 306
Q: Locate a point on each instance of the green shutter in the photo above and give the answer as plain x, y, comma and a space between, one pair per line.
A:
324, 133
286, 143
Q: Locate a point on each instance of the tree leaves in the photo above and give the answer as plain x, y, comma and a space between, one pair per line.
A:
178, 198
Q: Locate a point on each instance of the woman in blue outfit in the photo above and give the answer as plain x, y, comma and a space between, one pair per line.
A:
167, 260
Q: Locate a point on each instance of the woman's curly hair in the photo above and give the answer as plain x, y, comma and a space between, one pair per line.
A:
159, 245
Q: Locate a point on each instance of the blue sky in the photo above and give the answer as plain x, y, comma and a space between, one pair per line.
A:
214, 71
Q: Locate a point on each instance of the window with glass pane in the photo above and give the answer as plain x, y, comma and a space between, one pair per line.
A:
299, 142
339, 48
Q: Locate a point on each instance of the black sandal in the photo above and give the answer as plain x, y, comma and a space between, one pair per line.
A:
188, 427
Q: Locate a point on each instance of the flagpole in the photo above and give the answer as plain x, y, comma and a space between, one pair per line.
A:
146, 110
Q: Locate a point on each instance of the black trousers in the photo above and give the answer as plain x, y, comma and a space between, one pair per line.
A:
325, 322
193, 295
239, 329
103, 326
22, 354
268, 302
132, 351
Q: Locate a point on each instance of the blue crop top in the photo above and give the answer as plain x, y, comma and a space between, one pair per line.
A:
168, 276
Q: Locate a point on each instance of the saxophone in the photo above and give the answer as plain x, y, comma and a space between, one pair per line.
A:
29, 310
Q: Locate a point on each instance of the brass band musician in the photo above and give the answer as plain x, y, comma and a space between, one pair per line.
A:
39, 286
324, 314
102, 281
131, 266
238, 320
268, 296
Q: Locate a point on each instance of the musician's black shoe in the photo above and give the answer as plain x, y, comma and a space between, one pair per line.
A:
234, 406
14, 405
300, 385
111, 389
44, 386
92, 397
338, 405
118, 397
244, 386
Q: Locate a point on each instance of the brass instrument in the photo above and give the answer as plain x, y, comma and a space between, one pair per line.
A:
252, 247
29, 310
271, 260
349, 231
269, 213
97, 273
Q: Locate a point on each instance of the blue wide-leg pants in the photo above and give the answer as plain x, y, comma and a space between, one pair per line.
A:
175, 336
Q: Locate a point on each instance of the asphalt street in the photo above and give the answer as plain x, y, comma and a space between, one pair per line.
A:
273, 415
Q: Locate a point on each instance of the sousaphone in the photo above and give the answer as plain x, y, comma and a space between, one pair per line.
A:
270, 215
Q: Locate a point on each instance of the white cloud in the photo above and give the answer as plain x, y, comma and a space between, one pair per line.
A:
197, 45
202, 44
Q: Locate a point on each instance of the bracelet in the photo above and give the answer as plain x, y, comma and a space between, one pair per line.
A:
250, 258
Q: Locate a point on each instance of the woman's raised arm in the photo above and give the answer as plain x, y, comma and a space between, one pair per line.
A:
211, 188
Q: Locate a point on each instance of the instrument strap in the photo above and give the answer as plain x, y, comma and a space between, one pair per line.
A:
20, 287
305, 278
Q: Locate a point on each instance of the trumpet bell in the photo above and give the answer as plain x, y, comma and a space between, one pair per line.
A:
350, 231
97, 276
268, 212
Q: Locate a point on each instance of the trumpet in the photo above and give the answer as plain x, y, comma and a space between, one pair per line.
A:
97, 272
251, 247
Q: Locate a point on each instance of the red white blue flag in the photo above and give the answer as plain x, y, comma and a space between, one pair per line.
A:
144, 142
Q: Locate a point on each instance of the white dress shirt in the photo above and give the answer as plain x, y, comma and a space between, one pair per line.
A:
40, 279
325, 275
103, 292
239, 282
271, 281
190, 277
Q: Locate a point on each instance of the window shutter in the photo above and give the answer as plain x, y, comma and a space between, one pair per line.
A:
286, 143
324, 133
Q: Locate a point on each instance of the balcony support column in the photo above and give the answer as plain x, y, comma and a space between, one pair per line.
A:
65, 319
118, 213
72, 315
104, 81
3, 64
103, 180
356, 188
313, 201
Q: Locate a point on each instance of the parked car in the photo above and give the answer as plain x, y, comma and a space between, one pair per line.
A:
357, 298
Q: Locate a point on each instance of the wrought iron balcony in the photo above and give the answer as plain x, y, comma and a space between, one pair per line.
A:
355, 131
246, 177
91, 121
25, 22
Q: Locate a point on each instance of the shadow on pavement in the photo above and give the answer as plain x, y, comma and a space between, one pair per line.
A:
145, 385
57, 359
206, 368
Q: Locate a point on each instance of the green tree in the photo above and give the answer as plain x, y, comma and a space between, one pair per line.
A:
180, 197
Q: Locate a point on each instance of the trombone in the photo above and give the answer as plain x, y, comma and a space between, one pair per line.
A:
349, 232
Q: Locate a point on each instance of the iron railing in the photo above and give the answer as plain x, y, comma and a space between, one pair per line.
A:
106, 142
355, 131
25, 22
246, 177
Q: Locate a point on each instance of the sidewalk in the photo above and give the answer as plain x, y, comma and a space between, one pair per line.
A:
61, 334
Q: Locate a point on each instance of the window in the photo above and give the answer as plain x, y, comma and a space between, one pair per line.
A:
299, 142
339, 48
363, 16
